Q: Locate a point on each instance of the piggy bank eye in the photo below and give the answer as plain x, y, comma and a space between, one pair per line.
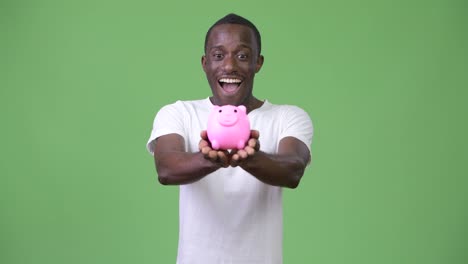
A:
235, 110
220, 110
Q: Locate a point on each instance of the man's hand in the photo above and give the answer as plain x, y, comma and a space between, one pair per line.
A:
217, 156
283, 169
252, 147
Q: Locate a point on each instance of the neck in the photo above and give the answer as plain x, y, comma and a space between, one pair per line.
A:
253, 104
250, 103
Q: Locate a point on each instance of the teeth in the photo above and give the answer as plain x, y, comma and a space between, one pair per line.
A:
227, 80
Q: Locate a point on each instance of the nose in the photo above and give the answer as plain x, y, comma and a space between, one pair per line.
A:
229, 64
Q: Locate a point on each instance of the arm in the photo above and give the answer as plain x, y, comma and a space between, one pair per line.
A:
175, 166
283, 169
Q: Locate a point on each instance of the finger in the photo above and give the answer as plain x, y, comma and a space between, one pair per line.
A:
254, 134
223, 158
252, 142
234, 163
203, 143
205, 150
213, 155
242, 154
204, 135
250, 151
235, 160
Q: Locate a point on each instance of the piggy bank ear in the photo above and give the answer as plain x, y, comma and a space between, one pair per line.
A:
241, 107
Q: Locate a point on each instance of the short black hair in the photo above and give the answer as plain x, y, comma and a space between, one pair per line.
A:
236, 19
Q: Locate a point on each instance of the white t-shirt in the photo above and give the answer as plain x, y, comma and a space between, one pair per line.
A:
229, 216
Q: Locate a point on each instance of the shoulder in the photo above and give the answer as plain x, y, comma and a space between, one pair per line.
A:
185, 103
285, 110
184, 106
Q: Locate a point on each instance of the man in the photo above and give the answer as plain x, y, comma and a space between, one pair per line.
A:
231, 202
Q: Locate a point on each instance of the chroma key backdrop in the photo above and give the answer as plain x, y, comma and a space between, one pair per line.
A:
385, 83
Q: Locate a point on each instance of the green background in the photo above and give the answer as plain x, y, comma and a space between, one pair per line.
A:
385, 83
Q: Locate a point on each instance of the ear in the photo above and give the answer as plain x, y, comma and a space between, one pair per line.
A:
259, 65
203, 62
242, 108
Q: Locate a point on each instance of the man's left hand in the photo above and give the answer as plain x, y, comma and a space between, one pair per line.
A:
252, 147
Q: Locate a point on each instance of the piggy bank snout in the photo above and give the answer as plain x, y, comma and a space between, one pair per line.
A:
227, 119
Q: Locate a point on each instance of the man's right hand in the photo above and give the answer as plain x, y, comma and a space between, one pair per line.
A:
217, 156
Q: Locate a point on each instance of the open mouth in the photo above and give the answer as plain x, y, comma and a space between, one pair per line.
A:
230, 85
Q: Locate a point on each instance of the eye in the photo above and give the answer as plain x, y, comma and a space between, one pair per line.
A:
220, 110
235, 110
242, 56
218, 56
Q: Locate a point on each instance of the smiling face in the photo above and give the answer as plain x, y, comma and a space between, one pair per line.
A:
230, 62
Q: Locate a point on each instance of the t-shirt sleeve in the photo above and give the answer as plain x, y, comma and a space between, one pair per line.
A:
297, 124
168, 120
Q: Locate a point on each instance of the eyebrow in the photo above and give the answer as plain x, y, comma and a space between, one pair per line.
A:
241, 46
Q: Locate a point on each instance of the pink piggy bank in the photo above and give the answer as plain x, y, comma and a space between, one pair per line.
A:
228, 127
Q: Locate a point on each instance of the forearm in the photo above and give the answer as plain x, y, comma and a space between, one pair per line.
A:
278, 170
177, 168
